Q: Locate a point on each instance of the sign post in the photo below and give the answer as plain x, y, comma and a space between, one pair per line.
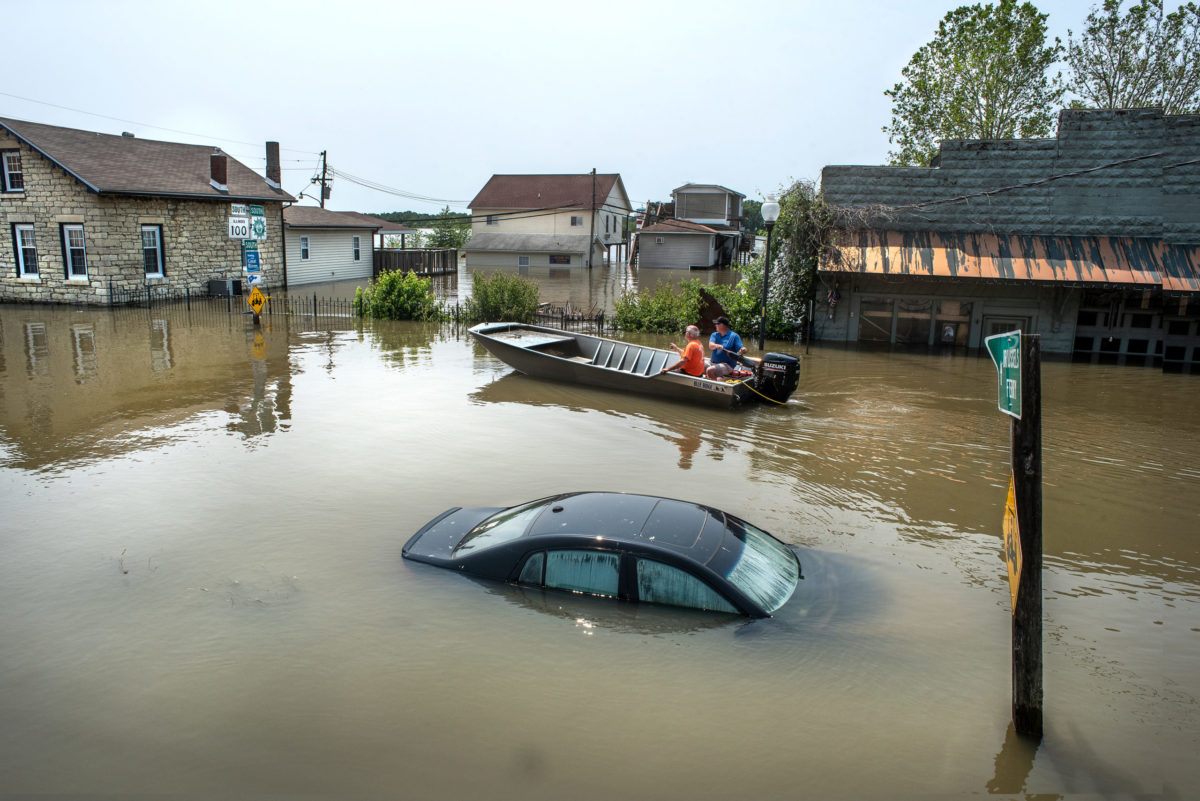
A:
1019, 367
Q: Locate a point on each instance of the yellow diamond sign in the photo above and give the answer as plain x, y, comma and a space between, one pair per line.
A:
256, 300
1012, 542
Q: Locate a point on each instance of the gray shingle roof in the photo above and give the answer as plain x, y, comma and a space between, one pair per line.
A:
123, 165
529, 243
317, 217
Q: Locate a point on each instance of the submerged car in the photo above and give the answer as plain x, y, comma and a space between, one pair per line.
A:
632, 547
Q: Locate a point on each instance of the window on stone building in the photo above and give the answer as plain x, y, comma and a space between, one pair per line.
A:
304, 248
152, 251
357, 248
27, 261
74, 253
13, 176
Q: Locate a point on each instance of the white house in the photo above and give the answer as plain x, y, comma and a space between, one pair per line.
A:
547, 220
322, 245
706, 231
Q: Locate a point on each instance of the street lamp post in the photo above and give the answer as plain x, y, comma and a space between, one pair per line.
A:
770, 213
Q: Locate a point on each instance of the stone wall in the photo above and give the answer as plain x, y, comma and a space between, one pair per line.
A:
1147, 187
196, 245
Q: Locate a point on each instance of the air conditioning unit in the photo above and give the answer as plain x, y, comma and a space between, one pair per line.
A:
224, 287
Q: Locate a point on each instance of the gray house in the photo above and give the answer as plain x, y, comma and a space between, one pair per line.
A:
324, 245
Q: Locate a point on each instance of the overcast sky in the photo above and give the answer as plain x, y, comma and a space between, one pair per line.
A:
432, 98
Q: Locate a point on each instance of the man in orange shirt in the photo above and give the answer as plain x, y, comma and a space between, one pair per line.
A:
691, 357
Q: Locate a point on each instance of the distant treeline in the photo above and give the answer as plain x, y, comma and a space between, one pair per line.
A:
421, 219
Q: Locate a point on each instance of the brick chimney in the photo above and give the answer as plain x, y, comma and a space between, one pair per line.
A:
219, 163
273, 173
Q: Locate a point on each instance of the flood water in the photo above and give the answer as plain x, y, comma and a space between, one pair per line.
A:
202, 591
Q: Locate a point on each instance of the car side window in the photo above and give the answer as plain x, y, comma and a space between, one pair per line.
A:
663, 584
592, 572
531, 572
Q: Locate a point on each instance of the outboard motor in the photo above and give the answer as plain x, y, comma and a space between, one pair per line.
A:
777, 376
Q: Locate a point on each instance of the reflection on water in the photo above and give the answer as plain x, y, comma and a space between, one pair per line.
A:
202, 589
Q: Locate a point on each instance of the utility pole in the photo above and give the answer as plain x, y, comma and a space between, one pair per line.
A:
324, 179
592, 227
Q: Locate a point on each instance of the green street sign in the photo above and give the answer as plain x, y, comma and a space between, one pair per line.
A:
1005, 350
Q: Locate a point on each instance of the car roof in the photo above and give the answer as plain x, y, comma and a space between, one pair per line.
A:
636, 519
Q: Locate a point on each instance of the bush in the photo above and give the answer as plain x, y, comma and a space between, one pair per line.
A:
399, 296
669, 309
665, 310
501, 298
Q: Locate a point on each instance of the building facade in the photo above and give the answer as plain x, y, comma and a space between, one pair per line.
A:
94, 218
1090, 239
547, 220
324, 245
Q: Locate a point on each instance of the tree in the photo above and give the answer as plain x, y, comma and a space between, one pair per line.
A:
1146, 58
450, 230
752, 214
985, 75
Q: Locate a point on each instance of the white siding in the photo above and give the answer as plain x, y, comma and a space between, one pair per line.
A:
678, 251
330, 255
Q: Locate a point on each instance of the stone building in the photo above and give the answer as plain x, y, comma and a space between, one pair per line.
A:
1090, 239
93, 218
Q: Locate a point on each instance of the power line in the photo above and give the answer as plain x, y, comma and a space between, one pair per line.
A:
144, 124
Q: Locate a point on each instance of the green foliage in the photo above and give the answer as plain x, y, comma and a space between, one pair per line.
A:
985, 75
450, 230
669, 309
501, 298
420, 219
1146, 58
752, 222
664, 310
399, 296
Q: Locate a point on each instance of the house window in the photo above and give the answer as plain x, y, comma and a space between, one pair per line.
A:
26, 244
491, 220
152, 253
560, 258
304, 248
522, 261
13, 178
658, 240
576, 220
358, 248
74, 253
606, 223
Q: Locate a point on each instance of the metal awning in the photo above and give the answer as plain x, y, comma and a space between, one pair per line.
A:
1099, 260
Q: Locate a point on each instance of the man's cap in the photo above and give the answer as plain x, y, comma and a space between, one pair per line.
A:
721, 320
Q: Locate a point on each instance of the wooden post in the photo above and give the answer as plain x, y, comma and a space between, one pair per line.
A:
1027, 481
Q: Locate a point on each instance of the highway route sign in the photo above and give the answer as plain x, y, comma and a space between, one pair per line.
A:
1005, 350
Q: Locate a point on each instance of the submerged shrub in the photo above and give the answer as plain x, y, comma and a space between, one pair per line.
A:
501, 298
399, 296
664, 310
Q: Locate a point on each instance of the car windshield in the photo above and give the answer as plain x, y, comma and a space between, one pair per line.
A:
503, 526
765, 570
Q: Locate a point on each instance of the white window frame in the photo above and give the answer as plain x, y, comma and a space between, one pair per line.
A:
491, 220
658, 240
24, 269
358, 248
69, 250
10, 167
576, 220
304, 251
158, 249
522, 261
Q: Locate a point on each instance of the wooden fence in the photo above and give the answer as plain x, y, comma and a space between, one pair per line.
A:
427, 261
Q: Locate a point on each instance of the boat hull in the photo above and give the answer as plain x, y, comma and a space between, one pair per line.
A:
608, 364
